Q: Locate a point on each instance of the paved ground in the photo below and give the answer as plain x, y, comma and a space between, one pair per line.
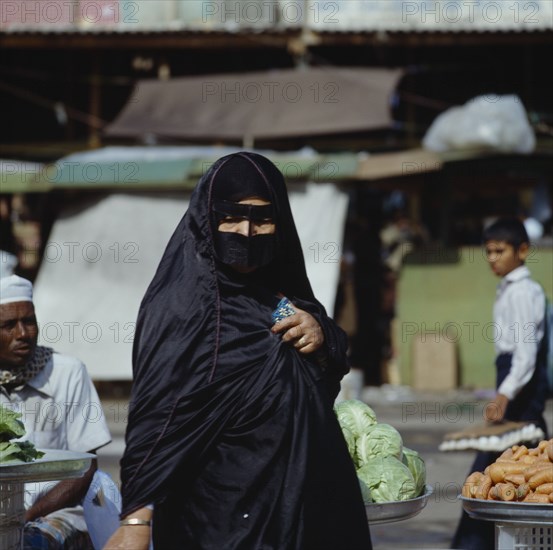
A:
422, 419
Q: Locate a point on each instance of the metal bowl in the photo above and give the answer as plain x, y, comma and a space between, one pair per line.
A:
511, 512
52, 466
386, 512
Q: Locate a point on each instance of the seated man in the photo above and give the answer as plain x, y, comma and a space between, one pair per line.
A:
60, 410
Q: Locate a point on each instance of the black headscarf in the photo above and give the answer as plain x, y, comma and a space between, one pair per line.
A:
236, 180
231, 432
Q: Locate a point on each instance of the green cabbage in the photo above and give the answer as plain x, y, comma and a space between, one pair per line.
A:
380, 440
416, 466
365, 492
355, 416
388, 479
350, 440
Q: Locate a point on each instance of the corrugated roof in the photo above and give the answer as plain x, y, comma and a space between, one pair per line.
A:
406, 16
276, 16
110, 31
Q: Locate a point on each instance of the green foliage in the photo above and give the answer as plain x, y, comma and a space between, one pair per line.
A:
417, 468
11, 427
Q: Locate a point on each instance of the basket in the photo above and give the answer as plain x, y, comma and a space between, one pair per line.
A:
510, 536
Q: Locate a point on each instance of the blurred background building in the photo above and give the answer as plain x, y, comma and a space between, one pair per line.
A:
115, 107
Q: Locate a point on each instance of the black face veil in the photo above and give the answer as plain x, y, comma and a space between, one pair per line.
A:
192, 384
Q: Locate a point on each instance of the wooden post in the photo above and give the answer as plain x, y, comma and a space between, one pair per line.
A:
95, 102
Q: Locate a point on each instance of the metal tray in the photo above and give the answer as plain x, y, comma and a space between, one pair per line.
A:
509, 512
386, 512
52, 466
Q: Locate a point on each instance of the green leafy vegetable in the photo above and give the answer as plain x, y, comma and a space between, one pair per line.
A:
417, 468
11, 427
388, 479
387, 471
8, 451
350, 440
19, 450
355, 416
380, 440
365, 492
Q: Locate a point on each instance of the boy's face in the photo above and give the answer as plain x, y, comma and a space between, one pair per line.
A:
503, 257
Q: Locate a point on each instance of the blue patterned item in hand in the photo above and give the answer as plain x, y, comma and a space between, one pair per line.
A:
284, 309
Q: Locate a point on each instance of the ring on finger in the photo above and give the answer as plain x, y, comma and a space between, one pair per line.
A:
302, 341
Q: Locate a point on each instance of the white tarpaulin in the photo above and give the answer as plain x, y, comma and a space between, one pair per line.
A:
101, 256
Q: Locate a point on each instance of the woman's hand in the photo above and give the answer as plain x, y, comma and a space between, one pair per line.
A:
132, 537
129, 537
300, 330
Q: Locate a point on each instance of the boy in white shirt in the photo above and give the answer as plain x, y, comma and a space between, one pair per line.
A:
521, 377
518, 312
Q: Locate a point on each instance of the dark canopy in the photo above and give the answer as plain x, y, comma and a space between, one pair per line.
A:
262, 105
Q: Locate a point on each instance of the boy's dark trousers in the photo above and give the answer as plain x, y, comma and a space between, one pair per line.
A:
529, 404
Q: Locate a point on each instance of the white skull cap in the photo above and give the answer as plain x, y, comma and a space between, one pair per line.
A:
15, 289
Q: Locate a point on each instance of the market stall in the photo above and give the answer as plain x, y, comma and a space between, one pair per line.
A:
516, 493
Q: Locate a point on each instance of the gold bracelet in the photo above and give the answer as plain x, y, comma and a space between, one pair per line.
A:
135, 521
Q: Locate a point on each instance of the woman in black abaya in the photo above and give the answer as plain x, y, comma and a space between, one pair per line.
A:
232, 439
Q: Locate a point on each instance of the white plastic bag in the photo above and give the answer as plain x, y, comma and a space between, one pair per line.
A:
498, 123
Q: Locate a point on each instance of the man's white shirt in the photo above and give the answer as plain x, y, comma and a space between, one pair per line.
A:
60, 410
